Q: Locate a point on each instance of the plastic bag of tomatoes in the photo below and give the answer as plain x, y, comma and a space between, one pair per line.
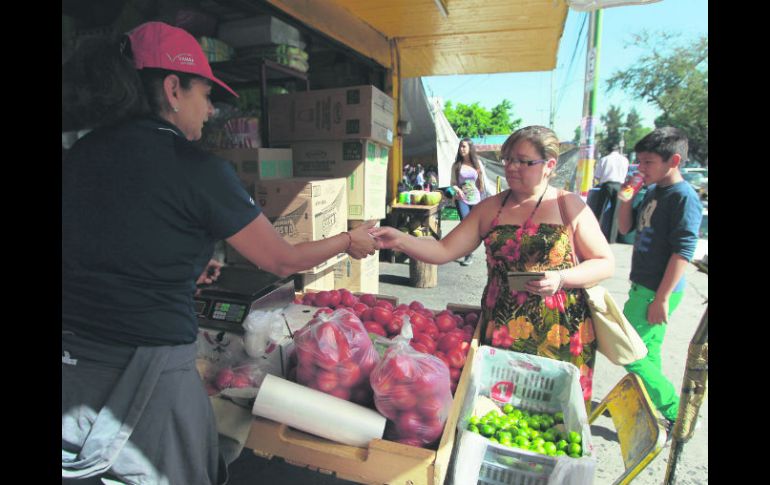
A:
412, 390
335, 355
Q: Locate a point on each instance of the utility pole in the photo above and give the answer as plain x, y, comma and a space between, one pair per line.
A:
552, 114
585, 169
623, 130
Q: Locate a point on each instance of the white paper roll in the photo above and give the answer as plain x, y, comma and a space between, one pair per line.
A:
317, 413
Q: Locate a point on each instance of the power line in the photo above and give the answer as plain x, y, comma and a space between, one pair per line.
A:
578, 42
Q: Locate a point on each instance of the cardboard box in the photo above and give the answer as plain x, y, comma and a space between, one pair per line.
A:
331, 114
304, 209
259, 30
321, 281
363, 162
253, 164
381, 461
233, 257
358, 275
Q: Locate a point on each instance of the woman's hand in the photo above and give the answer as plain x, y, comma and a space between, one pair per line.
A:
362, 244
210, 273
388, 237
548, 285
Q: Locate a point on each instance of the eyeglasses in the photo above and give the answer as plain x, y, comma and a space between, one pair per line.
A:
519, 163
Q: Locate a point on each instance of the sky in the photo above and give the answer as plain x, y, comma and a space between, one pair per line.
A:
531, 93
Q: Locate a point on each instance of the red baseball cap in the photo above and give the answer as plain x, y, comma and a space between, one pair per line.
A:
162, 46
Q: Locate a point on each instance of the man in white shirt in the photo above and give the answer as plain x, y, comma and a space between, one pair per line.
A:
609, 173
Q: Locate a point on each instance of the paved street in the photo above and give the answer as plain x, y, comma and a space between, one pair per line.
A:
458, 284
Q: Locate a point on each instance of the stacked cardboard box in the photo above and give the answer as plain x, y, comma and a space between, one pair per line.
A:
253, 164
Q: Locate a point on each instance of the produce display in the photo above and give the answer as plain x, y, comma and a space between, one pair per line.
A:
537, 432
424, 368
411, 389
335, 355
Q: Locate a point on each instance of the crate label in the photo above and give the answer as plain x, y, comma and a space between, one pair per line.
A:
502, 391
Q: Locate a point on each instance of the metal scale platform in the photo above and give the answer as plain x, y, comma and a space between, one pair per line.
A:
225, 304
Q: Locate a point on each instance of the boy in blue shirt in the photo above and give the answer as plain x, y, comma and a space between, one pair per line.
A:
667, 224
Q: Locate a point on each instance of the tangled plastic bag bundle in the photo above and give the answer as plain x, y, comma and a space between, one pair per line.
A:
261, 329
412, 390
335, 355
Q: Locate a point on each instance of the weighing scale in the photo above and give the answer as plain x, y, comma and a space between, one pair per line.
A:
224, 304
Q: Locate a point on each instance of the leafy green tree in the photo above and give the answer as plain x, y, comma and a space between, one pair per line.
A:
635, 130
675, 79
612, 121
474, 120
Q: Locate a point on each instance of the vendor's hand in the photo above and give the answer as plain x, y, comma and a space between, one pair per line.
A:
362, 243
387, 237
548, 285
210, 273
459, 194
656, 312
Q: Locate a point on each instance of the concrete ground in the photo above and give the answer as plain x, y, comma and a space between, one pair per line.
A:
459, 284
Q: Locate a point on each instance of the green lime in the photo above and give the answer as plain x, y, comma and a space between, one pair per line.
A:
474, 420
523, 424
559, 417
487, 429
574, 437
517, 413
550, 447
560, 453
504, 436
574, 449
533, 433
508, 408
538, 441
473, 428
493, 439
522, 441
562, 444
549, 435
571, 455
538, 449
523, 432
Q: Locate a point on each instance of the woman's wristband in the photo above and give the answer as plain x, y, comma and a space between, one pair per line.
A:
350, 240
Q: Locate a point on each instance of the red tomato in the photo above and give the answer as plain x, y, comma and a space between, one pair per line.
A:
240, 381
386, 407
416, 305
453, 387
431, 407
334, 298
431, 430
323, 310
399, 368
305, 373
469, 329
402, 307
326, 380
361, 395
425, 340
455, 373
322, 299
409, 425
393, 326
349, 374
445, 323
348, 299
471, 318
419, 347
431, 330
366, 315
418, 321
359, 308
224, 378
384, 304
308, 299
340, 392
368, 299
449, 342
465, 347
427, 313
456, 358
441, 355
382, 315
403, 397
374, 327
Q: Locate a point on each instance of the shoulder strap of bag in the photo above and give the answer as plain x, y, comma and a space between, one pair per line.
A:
567, 222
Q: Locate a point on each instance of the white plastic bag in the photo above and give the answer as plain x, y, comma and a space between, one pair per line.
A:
262, 328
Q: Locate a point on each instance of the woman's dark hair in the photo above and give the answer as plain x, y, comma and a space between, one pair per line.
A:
101, 86
474, 160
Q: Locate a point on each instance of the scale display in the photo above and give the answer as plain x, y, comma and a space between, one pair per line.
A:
228, 311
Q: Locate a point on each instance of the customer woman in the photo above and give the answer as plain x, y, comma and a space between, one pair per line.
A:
523, 229
142, 208
467, 180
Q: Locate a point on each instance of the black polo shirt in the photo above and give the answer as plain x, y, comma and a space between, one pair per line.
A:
142, 208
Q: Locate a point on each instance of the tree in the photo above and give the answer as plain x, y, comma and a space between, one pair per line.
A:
612, 121
675, 79
635, 130
474, 121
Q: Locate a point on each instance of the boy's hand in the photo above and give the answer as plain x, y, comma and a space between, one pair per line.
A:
656, 312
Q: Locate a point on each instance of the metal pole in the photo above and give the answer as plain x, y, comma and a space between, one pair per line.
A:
694, 386
585, 169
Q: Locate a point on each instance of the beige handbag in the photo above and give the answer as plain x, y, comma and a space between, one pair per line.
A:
615, 336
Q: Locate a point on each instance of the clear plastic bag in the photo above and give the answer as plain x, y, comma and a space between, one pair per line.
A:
412, 390
261, 330
335, 355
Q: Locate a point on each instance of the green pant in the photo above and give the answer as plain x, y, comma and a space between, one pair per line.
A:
661, 391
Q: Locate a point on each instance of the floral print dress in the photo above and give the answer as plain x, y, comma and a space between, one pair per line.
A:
559, 326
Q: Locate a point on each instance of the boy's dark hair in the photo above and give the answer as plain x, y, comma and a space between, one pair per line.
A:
665, 142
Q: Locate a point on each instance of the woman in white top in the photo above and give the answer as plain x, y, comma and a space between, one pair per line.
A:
468, 182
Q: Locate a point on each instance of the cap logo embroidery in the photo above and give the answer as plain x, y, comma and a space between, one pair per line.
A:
186, 59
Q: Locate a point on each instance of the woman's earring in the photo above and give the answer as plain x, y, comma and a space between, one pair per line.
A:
176, 110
